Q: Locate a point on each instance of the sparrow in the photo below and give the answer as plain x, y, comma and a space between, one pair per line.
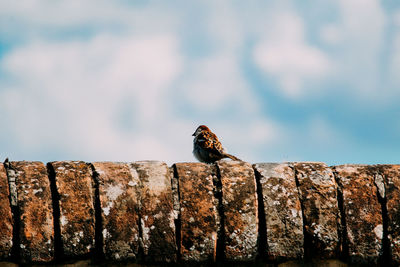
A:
206, 146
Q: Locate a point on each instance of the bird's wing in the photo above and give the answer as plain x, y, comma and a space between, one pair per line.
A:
209, 141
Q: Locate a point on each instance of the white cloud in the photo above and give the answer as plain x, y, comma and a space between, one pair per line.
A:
68, 90
69, 94
394, 60
68, 13
331, 34
358, 14
225, 26
285, 54
396, 18
29, 20
394, 67
215, 82
361, 25
108, 69
355, 39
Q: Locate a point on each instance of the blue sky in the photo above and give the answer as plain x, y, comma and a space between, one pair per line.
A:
131, 80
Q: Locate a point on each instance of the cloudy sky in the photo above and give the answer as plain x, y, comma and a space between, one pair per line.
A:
131, 80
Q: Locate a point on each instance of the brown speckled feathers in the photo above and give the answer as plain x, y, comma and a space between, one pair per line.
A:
206, 146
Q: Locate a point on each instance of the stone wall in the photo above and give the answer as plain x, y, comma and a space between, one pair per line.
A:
148, 212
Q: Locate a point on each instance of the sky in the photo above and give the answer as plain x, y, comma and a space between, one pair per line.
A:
276, 81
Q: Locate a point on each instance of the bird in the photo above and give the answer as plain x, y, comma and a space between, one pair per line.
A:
207, 148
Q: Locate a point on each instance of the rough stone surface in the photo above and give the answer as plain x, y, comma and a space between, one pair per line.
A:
6, 227
391, 176
119, 210
156, 210
198, 211
75, 187
283, 216
239, 200
139, 207
362, 212
318, 195
36, 211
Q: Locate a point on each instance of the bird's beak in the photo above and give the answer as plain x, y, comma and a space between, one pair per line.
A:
193, 134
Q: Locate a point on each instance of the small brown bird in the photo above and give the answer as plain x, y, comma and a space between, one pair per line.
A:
207, 148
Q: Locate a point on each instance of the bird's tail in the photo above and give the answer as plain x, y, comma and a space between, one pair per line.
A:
232, 157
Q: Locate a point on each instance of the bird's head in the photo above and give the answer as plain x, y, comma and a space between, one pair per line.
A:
200, 129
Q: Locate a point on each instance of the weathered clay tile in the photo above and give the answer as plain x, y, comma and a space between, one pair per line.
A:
362, 211
6, 226
119, 210
239, 200
156, 210
75, 188
283, 216
198, 211
318, 196
36, 211
391, 176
